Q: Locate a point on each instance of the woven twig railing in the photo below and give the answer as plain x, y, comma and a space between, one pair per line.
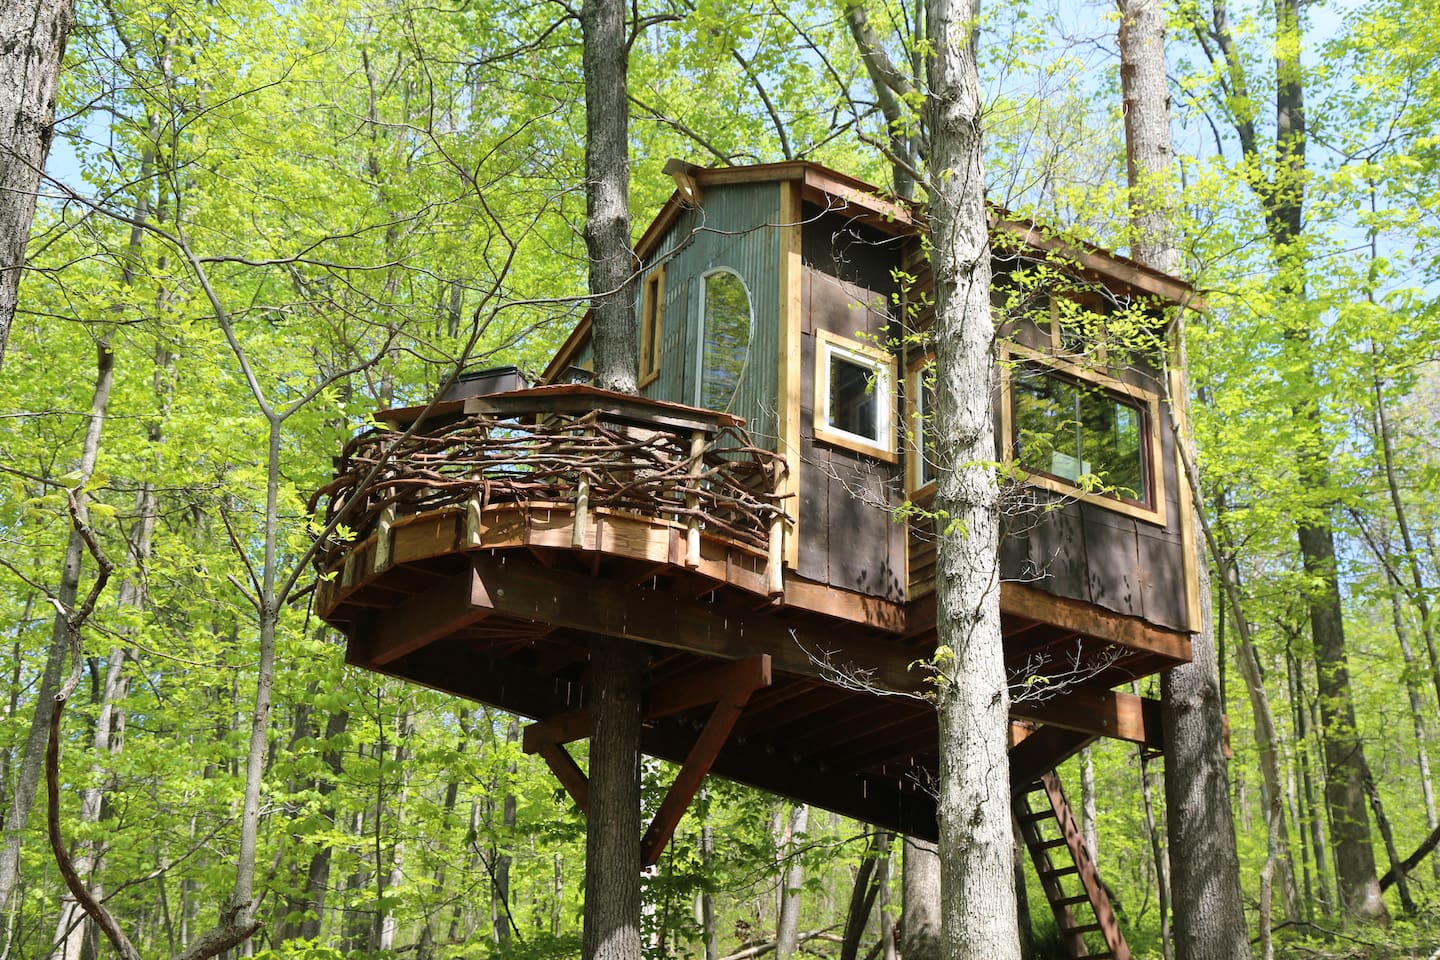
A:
730, 489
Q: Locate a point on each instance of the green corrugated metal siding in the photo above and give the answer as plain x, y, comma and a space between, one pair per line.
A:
735, 230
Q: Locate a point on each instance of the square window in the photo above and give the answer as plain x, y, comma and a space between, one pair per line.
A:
854, 396
1083, 434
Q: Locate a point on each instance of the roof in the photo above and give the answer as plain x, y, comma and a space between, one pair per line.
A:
852, 197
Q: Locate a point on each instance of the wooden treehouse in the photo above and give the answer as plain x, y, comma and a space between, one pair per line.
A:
745, 517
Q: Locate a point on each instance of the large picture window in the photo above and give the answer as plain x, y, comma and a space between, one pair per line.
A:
724, 339
854, 395
1084, 434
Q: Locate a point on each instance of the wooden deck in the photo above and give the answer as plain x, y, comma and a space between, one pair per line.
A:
495, 598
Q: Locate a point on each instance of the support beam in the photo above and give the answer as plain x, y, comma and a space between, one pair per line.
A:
568, 772
728, 687
650, 616
1042, 751
1103, 713
692, 773
670, 698
438, 611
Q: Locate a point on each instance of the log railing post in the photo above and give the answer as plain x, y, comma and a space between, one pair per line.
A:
692, 498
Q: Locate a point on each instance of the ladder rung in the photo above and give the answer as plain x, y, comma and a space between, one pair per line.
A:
1086, 928
1071, 901
1052, 844
1060, 872
1037, 817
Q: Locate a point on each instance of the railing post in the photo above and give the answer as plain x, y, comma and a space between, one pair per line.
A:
775, 559
383, 542
692, 499
582, 513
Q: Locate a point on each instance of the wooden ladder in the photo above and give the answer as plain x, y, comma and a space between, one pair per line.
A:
1048, 827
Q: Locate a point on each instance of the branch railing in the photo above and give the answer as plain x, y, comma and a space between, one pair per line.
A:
705, 476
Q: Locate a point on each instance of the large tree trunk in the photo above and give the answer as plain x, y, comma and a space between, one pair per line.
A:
976, 867
920, 900
612, 845
607, 194
612, 849
1204, 867
32, 47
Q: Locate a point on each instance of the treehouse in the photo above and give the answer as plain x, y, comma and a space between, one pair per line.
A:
759, 516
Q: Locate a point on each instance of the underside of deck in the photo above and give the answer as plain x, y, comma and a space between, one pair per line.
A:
498, 603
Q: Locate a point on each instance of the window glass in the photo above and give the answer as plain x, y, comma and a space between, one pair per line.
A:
1083, 434
854, 402
925, 425
726, 333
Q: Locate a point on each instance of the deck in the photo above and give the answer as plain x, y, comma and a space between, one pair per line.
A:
489, 541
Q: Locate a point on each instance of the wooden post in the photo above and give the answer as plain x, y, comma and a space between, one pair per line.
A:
775, 559
692, 500
582, 513
383, 541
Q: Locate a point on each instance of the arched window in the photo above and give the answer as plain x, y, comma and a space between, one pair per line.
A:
724, 338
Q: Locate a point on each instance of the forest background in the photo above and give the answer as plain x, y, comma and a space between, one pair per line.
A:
266, 220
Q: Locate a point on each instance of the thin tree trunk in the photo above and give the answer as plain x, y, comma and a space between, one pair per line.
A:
32, 759
792, 876
1301, 710
707, 899
504, 859
1087, 806
920, 900
863, 894
32, 47
1158, 855
311, 907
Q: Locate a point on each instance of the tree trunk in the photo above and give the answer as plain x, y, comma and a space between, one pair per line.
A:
1356, 879
607, 194
707, 899
920, 900
32, 47
863, 894
792, 875
1204, 866
503, 859
973, 808
32, 759
1087, 806
1157, 854
612, 847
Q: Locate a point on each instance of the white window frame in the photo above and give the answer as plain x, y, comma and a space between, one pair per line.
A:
882, 368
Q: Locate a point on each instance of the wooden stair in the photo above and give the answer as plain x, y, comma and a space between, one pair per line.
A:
1070, 881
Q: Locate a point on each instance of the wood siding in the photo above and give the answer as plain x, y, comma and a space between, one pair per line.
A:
1083, 551
733, 230
849, 538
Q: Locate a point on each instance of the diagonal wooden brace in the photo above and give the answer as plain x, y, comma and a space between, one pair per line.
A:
728, 687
